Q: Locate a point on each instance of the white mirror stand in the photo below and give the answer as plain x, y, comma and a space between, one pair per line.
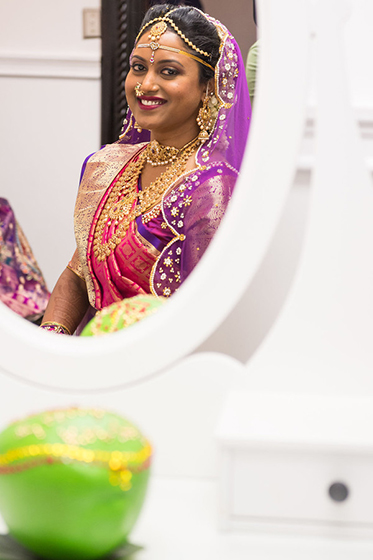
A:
286, 449
265, 179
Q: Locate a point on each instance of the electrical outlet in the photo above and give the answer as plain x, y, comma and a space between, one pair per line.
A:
91, 23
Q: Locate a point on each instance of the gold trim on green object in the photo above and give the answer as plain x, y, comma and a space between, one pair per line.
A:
122, 464
115, 460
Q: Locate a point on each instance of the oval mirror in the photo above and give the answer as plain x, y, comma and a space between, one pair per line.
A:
231, 260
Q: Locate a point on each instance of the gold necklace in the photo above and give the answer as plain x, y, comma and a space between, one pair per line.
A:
161, 155
124, 203
158, 154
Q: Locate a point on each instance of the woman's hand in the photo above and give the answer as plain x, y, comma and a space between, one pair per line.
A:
68, 302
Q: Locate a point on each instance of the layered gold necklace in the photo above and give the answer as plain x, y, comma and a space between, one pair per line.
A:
125, 203
157, 154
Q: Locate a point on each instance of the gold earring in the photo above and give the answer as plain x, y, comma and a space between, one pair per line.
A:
137, 127
138, 91
204, 119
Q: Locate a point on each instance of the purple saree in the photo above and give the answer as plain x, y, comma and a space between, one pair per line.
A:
157, 257
22, 286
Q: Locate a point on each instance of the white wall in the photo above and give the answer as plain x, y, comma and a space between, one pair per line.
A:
45, 27
359, 39
237, 15
50, 115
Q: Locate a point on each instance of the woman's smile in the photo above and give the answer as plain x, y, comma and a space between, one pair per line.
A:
146, 102
166, 94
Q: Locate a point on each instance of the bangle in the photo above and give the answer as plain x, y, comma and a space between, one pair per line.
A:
55, 327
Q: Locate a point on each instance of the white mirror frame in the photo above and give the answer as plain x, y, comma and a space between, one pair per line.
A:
131, 356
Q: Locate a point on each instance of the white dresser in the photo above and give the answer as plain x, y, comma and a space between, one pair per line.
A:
296, 464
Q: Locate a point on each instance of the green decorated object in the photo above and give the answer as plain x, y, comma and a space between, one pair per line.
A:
72, 482
123, 314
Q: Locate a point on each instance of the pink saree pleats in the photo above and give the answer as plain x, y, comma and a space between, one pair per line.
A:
126, 272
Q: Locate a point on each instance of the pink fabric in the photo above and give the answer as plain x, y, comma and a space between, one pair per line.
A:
126, 272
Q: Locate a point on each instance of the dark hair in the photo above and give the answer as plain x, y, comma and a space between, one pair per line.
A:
195, 3
196, 27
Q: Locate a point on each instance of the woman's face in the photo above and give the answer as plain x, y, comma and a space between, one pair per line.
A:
172, 90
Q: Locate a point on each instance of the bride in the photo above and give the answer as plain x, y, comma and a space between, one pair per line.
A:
148, 207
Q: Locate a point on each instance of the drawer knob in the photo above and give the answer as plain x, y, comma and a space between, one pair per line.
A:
338, 492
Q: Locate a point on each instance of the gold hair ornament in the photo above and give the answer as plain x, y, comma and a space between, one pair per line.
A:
156, 46
159, 28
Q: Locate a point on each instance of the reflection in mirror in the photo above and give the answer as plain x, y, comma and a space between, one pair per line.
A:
149, 204
207, 133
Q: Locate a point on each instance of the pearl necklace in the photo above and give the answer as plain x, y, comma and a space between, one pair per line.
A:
124, 203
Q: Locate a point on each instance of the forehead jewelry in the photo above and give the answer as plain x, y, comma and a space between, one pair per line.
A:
155, 34
138, 91
158, 29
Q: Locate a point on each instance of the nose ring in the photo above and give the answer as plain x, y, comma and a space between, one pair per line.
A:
138, 91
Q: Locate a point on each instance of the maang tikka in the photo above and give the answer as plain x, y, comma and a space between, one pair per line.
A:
159, 27
155, 34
